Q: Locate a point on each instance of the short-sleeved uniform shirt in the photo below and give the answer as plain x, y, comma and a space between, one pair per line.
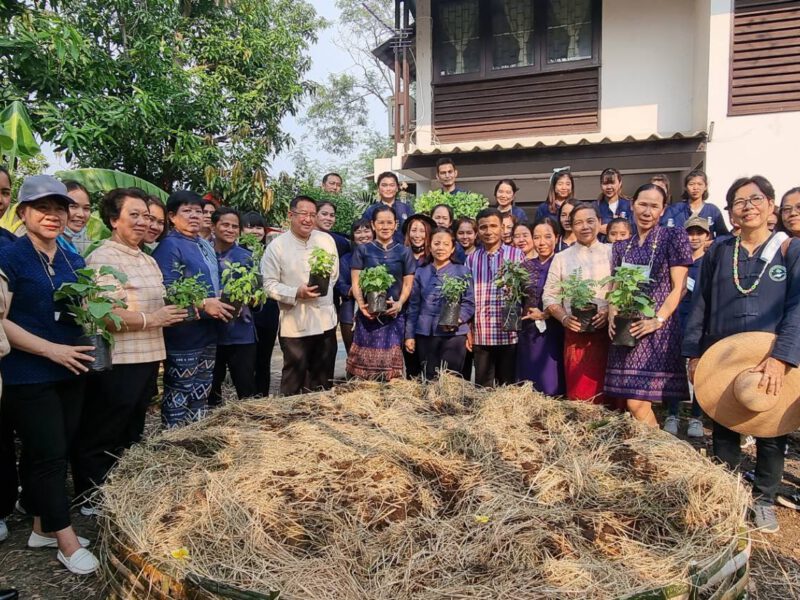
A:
397, 258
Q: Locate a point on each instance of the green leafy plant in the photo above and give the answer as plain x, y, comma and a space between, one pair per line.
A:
375, 279
464, 204
453, 288
512, 278
240, 284
255, 245
579, 292
627, 295
186, 292
321, 262
89, 302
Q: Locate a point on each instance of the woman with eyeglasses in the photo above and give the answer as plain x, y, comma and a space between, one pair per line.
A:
789, 220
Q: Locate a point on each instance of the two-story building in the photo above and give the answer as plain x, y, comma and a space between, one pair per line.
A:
516, 88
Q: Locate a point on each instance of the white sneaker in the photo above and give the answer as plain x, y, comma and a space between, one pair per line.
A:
671, 424
695, 429
42, 541
3, 530
82, 562
91, 511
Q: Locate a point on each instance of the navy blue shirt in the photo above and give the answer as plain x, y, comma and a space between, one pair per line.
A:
623, 210
342, 243
6, 237
401, 210
33, 309
686, 301
343, 285
397, 258
426, 303
241, 330
719, 309
544, 211
176, 252
676, 215
517, 213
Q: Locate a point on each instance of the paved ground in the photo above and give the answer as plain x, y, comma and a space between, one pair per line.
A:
38, 575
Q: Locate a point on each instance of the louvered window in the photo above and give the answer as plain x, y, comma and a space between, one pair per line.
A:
765, 57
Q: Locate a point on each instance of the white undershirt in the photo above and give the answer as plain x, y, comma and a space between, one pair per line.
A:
613, 206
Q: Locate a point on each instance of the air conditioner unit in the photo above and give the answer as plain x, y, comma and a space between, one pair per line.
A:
413, 120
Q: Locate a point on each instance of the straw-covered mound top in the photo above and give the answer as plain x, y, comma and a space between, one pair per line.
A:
404, 490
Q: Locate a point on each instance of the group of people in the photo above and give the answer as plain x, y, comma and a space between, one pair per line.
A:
64, 415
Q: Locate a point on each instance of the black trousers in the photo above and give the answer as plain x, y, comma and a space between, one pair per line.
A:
266, 335
412, 364
769, 459
441, 352
9, 480
466, 370
46, 417
112, 421
495, 365
240, 360
308, 362
347, 335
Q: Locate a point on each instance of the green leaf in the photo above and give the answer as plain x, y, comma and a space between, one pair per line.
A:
105, 180
96, 230
16, 123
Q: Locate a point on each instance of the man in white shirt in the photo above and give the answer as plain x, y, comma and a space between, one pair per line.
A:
308, 320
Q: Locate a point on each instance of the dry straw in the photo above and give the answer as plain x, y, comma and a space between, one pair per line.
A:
404, 490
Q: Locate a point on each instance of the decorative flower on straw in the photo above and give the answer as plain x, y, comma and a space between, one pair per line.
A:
483, 519
181, 553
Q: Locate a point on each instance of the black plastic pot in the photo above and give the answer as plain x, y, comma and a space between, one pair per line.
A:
321, 282
585, 316
376, 303
193, 314
512, 317
101, 353
450, 314
236, 304
622, 331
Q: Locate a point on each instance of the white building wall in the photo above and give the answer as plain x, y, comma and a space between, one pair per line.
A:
739, 146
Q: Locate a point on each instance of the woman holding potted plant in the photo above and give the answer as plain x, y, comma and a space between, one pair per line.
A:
387, 267
361, 233
236, 341
653, 370
571, 287
42, 375
188, 261
116, 400
540, 349
440, 308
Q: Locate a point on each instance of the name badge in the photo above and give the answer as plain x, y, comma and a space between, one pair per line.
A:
690, 284
645, 269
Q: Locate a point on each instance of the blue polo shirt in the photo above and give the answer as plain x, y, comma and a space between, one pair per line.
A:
241, 330
401, 210
676, 215
623, 210
6, 237
398, 260
34, 309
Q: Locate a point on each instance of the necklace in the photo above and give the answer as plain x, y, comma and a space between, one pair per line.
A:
652, 249
738, 285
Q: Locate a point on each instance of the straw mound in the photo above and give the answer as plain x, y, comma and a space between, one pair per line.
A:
404, 490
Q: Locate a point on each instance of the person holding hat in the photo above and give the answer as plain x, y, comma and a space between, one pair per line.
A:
377, 348
388, 188
741, 340
699, 233
44, 374
191, 347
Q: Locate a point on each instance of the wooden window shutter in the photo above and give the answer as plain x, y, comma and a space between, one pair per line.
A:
765, 57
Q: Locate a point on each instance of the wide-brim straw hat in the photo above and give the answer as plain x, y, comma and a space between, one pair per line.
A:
727, 389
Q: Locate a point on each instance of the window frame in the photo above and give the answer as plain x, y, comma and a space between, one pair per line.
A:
539, 65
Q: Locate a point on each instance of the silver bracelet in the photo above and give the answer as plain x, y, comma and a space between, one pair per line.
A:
144, 321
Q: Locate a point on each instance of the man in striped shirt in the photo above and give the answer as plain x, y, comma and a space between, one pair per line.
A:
495, 350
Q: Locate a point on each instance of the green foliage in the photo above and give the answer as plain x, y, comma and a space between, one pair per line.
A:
255, 245
89, 302
240, 284
187, 291
579, 292
512, 278
348, 209
17, 140
336, 114
464, 204
453, 288
100, 181
627, 295
321, 262
159, 89
375, 279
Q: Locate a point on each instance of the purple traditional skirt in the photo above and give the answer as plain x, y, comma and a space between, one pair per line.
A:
377, 350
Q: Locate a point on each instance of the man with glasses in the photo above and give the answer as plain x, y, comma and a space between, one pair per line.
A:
308, 320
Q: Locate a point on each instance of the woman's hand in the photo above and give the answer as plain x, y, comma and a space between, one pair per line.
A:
534, 314
395, 306
572, 323
71, 357
692, 368
217, 309
164, 317
411, 346
645, 327
772, 379
364, 308
600, 319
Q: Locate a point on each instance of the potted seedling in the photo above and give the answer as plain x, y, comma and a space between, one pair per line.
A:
321, 263
375, 282
188, 293
629, 301
240, 288
91, 305
579, 292
512, 279
453, 289
256, 247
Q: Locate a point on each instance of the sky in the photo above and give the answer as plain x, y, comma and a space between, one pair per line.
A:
326, 58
